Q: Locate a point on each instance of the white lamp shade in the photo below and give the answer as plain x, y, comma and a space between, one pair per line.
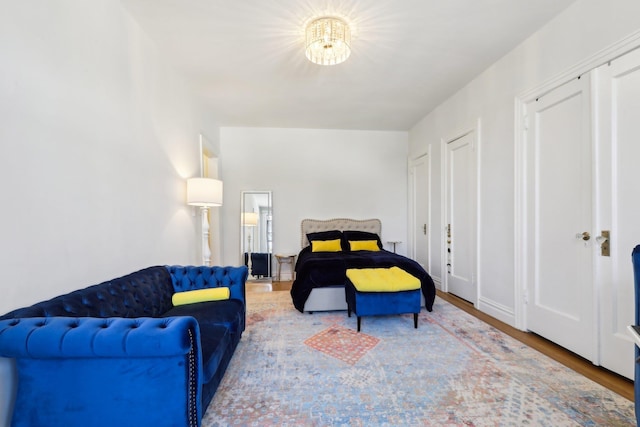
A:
249, 219
204, 192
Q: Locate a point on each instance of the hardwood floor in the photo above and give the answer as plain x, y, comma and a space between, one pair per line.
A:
268, 287
608, 379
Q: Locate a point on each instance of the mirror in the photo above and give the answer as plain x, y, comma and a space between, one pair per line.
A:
256, 244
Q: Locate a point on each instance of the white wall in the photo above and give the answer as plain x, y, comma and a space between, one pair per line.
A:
585, 28
97, 137
314, 174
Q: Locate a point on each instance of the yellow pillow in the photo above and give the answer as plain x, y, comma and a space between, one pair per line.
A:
200, 295
364, 245
326, 245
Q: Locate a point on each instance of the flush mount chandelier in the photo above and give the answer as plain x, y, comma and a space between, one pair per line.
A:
328, 41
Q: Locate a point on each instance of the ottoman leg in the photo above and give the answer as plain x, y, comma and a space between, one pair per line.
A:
359, 318
415, 320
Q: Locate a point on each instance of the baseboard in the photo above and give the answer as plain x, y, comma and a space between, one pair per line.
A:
284, 277
497, 310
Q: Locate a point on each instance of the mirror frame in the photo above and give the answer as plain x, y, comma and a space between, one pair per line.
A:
264, 228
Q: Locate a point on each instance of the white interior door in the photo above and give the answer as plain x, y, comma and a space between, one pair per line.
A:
461, 217
618, 112
559, 259
420, 181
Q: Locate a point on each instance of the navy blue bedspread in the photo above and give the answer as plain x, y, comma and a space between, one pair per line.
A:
322, 269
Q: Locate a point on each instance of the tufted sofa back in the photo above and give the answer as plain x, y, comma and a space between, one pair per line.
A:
144, 293
189, 278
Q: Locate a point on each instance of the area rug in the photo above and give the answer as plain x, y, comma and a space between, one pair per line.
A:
294, 369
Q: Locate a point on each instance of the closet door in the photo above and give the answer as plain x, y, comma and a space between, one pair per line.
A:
559, 261
420, 186
461, 217
618, 207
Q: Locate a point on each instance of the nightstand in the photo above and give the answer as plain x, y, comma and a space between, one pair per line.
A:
394, 243
286, 259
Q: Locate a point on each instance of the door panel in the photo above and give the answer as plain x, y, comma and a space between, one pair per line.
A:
420, 174
461, 214
559, 259
618, 205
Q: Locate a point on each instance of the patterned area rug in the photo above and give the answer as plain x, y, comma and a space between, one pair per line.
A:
294, 369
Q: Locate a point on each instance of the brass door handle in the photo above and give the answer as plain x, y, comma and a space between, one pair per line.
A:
604, 240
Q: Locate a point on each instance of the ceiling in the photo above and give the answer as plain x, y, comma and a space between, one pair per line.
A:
246, 57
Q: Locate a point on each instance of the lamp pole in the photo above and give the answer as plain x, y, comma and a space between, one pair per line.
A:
249, 253
206, 249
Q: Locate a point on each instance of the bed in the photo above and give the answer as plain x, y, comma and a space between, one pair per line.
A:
321, 276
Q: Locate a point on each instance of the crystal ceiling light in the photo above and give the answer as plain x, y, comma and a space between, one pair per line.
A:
328, 41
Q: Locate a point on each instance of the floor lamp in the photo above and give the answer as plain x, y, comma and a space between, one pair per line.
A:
204, 193
249, 219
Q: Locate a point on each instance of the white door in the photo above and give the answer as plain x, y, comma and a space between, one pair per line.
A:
559, 262
420, 186
618, 112
461, 217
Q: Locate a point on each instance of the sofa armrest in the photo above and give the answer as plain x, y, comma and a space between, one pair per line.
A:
189, 278
75, 372
68, 337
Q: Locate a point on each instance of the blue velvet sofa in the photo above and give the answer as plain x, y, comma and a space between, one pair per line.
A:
120, 354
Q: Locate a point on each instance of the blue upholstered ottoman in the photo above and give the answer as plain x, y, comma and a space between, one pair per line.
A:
382, 291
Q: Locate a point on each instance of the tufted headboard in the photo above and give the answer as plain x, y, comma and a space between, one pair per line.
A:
315, 225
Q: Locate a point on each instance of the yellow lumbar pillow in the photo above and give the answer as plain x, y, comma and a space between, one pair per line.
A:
364, 245
392, 279
200, 295
326, 245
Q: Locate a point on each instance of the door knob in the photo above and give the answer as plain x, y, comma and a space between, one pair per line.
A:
584, 236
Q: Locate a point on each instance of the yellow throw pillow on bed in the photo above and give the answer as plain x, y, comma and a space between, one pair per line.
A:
326, 245
200, 295
364, 245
